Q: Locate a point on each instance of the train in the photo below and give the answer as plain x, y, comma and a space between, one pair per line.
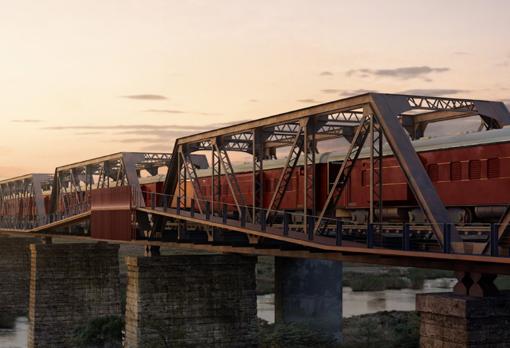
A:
471, 173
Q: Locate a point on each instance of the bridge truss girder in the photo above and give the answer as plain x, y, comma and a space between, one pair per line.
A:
22, 198
374, 116
72, 184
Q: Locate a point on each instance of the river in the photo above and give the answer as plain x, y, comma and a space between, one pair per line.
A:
354, 303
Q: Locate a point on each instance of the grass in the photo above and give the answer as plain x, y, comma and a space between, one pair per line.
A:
265, 275
391, 278
7, 320
379, 330
503, 282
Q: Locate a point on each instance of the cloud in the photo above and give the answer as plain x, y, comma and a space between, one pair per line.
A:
168, 111
161, 147
326, 73
403, 73
88, 133
118, 127
309, 101
145, 96
142, 137
253, 100
351, 92
331, 91
26, 120
438, 92
174, 111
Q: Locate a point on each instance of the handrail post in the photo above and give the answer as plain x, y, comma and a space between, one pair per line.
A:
243, 217
224, 213
494, 240
178, 205
207, 210
339, 231
447, 238
370, 235
406, 240
285, 223
153, 200
192, 208
262, 221
310, 226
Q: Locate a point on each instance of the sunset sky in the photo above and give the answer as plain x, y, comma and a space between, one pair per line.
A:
81, 79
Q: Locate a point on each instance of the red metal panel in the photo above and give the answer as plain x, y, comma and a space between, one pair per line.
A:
111, 214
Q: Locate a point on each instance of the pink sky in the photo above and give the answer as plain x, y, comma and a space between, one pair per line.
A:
81, 79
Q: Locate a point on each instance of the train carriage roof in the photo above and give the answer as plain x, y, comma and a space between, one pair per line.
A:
421, 145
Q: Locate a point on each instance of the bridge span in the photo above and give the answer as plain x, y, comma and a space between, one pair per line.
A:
165, 199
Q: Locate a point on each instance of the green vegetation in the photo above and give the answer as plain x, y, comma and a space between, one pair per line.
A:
103, 332
381, 330
7, 321
265, 275
292, 335
391, 278
503, 282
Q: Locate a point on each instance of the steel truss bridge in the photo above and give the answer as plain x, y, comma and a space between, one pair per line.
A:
105, 198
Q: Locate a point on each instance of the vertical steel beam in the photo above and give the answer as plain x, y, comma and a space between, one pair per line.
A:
181, 186
230, 177
376, 158
288, 170
387, 109
309, 171
258, 172
38, 197
215, 178
129, 161
344, 173
192, 174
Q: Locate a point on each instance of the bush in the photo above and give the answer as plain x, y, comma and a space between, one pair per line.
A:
7, 321
378, 330
382, 330
105, 332
292, 335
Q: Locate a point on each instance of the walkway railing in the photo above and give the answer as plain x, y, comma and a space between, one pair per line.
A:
401, 236
31, 222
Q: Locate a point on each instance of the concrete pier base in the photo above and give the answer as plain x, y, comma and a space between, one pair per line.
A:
70, 284
14, 275
191, 301
454, 321
309, 292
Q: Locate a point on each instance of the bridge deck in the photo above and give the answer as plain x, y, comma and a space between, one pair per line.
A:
348, 251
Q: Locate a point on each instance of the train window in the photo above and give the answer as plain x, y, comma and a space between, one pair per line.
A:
456, 171
433, 171
475, 169
493, 168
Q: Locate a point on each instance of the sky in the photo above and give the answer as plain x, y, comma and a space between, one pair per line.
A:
81, 79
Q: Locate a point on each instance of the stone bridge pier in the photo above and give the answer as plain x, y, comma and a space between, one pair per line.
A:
452, 320
309, 292
70, 284
191, 301
14, 276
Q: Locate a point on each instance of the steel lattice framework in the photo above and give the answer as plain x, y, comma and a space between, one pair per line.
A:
41, 204
22, 200
395, 119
